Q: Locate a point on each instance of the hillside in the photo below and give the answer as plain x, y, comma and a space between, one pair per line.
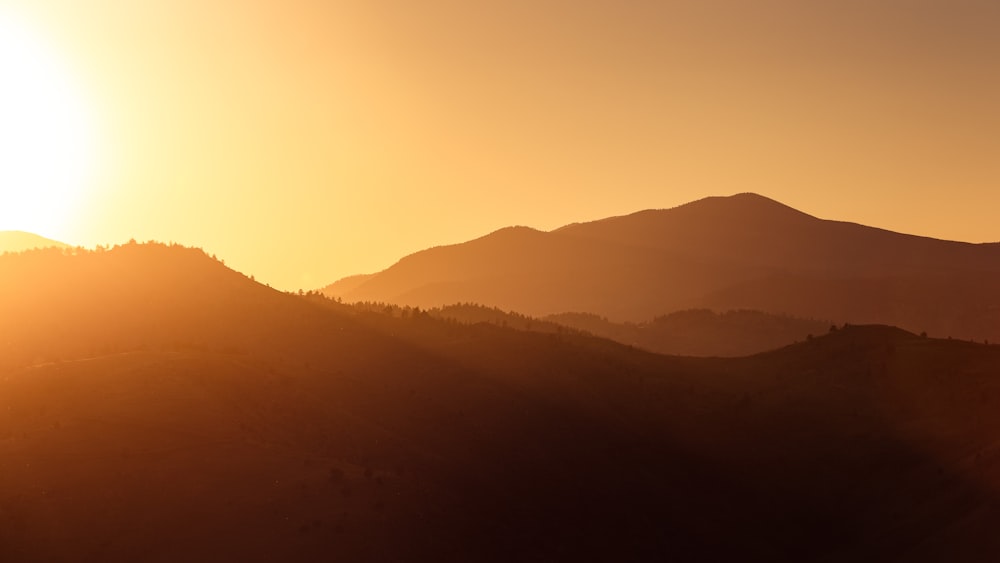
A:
722, 253
347, 284
163, 407
700, 332
18, 241
694, 332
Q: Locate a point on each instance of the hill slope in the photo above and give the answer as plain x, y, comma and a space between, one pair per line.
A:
18, 241
700, 332
738, 252
694, 332
222, 420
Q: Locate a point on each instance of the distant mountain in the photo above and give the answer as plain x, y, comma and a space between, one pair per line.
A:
701, 332
694, 332
155, 405
740, 252
18, 241
348, 284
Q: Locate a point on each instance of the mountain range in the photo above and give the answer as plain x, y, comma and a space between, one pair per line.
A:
156, 406
721, 253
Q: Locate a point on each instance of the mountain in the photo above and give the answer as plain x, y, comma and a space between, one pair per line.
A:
155, 405
694, 332
723, 253
18, 241
700, 332
752, 230
347, 284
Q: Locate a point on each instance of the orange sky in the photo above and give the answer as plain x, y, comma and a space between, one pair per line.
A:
305, 140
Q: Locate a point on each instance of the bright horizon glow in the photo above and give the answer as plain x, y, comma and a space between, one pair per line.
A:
47, 135
305, 141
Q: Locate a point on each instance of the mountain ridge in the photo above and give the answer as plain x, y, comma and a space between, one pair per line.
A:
717, 253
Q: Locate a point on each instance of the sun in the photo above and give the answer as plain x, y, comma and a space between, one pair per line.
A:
47, 135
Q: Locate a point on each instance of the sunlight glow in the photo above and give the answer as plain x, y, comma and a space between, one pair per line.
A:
47, 135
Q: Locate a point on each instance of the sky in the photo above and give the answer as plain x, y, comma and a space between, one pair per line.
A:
306, 140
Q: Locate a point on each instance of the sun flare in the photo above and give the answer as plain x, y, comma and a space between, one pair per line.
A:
47, 135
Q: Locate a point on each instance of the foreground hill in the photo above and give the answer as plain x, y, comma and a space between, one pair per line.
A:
738, 252
156, 406
19, 241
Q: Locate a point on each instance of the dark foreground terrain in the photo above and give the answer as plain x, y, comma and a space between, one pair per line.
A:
156, 406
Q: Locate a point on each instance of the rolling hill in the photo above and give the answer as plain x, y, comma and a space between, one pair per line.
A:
163, 407
722, 253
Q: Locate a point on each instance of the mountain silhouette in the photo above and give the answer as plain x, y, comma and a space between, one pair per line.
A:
700, 332
165, 407
724, 253
18, 241
694, 332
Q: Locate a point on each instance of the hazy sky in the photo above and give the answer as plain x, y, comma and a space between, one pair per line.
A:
305, 140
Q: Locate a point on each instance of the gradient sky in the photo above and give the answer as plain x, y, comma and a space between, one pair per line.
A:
305, 140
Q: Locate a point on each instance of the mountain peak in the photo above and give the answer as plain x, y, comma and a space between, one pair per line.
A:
741, 208
744, 203
710, 218
513, 231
